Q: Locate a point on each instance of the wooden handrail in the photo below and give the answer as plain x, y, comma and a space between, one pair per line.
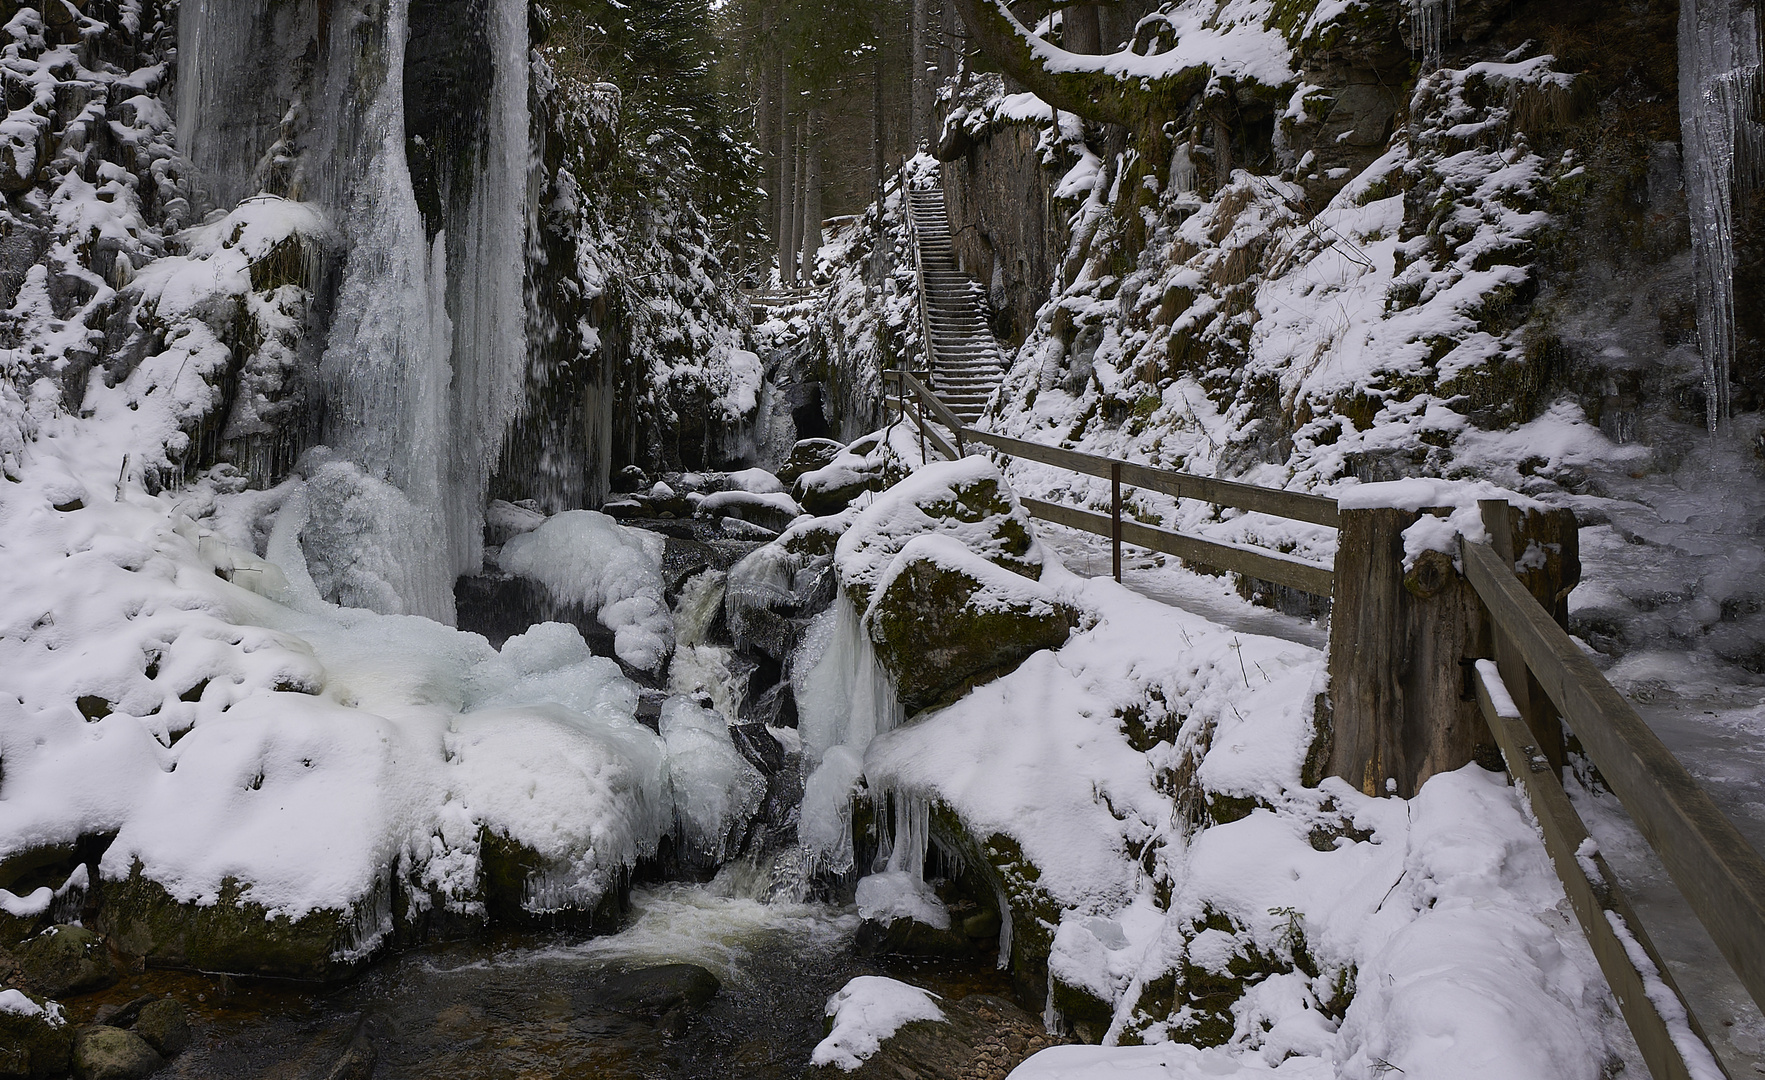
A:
1719, 873
1593, 893
1287, 504
925, 318
1295, 505
929, 400
1255, 562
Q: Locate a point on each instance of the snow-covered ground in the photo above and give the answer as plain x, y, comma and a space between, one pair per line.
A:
172, 676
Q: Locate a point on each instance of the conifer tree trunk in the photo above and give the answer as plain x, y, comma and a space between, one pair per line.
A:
787, 202
766, 136
1084, 29
921, 86
811, 194
946, 40
800, 212
877, 133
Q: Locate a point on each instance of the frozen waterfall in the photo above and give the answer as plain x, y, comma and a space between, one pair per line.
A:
1719, 74
425, 363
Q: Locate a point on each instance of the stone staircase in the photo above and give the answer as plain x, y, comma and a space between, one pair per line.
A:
966, 363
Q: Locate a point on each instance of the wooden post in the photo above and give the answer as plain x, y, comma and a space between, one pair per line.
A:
1399, 709
1400, 695
1115, 518
1547, 730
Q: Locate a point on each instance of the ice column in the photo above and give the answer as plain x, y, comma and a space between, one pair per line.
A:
225, 108
490, 321
1719, 64
386, 363
420, 397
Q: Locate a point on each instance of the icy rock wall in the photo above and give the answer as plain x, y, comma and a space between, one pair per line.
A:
231, 104
424, 365
1719, 80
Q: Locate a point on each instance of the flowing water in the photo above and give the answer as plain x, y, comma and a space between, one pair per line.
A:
545, 1004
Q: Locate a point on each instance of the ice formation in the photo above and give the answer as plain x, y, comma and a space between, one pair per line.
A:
717, 791
1724, 140
586, 559
425, 362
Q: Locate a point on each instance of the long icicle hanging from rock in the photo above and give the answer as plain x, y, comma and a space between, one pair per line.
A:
1724, 144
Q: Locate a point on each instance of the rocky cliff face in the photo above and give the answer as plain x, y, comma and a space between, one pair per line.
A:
1329, 243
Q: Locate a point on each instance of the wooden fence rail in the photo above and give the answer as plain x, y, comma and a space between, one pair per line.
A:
1721, 875
918, 403
1605, 916
1408, 646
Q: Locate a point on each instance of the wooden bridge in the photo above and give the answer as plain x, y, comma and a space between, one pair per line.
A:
1431, 662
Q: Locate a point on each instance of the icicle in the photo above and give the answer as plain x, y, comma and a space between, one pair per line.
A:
1430, 23
843, 695
911, 837
1004, 929
1183, 174
1719, 73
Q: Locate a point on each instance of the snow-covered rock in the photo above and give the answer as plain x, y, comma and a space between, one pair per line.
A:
866, 1012
588, 560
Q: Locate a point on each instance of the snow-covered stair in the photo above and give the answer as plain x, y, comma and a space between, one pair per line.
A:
966, 363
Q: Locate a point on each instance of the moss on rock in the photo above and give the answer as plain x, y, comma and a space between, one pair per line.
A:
938, 632
37, 1042
235, 934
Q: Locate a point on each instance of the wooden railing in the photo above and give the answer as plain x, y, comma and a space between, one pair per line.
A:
1721, 876
916, 402
1719, 873
925, 316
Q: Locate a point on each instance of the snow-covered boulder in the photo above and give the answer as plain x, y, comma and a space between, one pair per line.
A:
945, 569
883, 1028
943, 618
901, 915
770, 510
807, 456
34, 1035
234, 933
873, 463
967, 499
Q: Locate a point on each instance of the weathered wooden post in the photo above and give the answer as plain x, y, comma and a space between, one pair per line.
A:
1400, 643
1398, 706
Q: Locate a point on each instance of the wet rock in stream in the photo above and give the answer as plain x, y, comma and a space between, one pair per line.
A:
660, 993
165, 1027
108, 1053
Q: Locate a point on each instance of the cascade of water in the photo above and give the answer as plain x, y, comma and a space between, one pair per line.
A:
1719, 76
